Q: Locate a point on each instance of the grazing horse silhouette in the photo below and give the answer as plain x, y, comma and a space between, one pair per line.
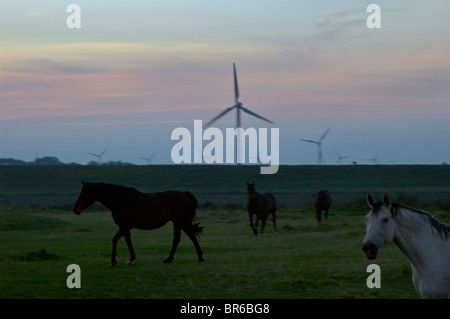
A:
322, 202
262, 205
132, 209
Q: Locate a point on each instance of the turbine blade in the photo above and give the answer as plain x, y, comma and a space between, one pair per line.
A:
104, 151
324, 134
220, 115
309, 141
236, 86
254, 114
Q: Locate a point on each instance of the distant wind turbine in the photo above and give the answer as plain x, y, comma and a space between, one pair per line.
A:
340, 157
149, 159
99, 156
238, 106
375, 158
321, 159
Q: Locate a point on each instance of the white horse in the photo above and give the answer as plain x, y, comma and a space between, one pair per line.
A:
421, 237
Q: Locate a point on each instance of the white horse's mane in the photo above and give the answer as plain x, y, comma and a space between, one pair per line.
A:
442, 228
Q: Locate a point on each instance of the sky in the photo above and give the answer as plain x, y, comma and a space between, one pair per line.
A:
137, 70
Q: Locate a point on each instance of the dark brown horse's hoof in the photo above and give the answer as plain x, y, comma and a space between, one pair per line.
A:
167, 261
201, 259
113, 263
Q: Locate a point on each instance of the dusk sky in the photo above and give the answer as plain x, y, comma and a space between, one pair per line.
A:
137, 70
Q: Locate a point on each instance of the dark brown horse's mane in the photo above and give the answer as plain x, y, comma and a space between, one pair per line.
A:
442, 228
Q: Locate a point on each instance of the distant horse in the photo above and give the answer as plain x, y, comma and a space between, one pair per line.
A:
421, 237
132, 209
262, 205
322, 202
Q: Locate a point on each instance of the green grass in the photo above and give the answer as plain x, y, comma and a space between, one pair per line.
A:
302, 260
65, 180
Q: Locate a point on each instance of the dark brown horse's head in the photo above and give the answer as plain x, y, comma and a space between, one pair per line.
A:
251, 189
85, 199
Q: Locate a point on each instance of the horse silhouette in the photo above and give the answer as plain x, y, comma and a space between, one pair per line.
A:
131, 208
260, 205
322, 202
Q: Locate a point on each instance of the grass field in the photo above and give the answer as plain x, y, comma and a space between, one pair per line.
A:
302, 260
224, 179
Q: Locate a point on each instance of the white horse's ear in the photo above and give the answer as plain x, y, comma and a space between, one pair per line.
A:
370, 200
386, 200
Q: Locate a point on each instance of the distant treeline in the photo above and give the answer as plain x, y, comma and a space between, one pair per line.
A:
53, 160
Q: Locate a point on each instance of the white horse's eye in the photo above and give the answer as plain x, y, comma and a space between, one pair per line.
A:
385, 220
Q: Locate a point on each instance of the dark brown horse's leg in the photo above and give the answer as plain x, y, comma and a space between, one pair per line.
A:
130, 247
274, 222
319, 216
176, 240
192, 236
251, 224
263, 222
116, 237
256, 224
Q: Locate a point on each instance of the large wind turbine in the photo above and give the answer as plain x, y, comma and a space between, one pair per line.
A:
238, 106
321, 159
99, 156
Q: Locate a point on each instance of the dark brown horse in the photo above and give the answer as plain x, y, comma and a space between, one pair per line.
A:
262, 205
322, 202
132, 209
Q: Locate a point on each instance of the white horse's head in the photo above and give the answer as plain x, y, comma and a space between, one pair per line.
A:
380, 226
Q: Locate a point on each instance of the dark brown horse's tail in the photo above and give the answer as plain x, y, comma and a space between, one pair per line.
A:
190, 215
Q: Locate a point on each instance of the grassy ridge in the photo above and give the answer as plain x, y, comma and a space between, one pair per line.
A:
65, 180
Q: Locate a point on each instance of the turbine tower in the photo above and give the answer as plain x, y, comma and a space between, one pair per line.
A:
321, 159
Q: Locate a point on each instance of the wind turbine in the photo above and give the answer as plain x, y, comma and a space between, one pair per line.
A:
149, 159
99, 156
238, 106
340, 157
321, 159
375, 158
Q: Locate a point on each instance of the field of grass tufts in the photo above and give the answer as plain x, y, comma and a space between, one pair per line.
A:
302, 260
